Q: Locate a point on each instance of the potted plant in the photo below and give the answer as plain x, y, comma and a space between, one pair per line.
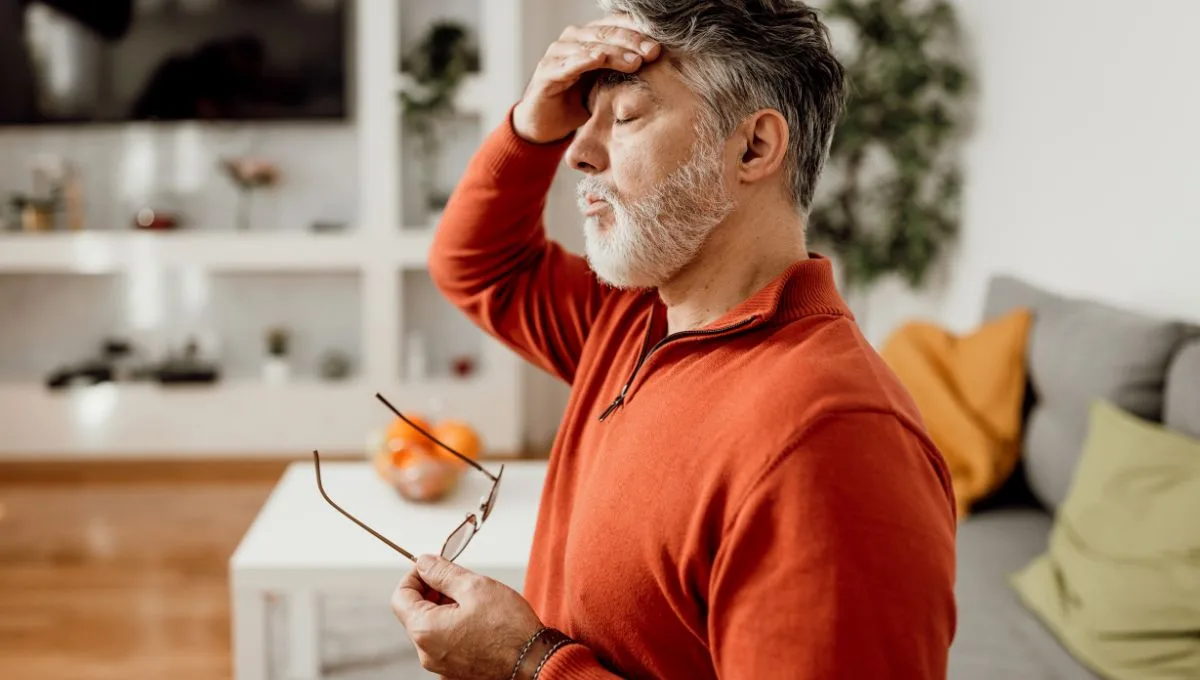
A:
890, 203
436, 68
276, 368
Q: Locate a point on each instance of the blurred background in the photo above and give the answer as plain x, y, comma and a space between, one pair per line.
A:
214, 219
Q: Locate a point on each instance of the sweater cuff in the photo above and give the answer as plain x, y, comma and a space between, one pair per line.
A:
574, 662
507, 153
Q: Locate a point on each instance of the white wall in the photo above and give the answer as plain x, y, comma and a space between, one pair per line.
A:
1082, 174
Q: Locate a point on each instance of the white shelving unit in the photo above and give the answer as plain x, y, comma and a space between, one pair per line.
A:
107, 253
251, 418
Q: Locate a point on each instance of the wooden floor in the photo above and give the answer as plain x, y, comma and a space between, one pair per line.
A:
119, 572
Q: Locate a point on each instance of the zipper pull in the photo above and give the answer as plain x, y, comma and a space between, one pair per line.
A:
615, 403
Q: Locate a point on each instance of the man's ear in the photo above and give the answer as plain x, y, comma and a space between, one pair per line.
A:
765, 137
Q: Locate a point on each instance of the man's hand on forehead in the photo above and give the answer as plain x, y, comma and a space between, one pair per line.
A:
554, 103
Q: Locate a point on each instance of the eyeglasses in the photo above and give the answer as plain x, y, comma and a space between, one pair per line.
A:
462, 535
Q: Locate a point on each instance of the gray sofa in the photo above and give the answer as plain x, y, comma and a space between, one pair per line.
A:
1078, 350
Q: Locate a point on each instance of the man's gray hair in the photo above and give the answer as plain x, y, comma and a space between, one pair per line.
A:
740, 57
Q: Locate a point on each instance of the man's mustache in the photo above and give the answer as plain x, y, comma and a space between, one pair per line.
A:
596, 187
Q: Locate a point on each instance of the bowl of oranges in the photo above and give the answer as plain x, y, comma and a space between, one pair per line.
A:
415, 465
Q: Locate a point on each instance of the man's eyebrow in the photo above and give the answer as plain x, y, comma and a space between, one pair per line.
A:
606, 80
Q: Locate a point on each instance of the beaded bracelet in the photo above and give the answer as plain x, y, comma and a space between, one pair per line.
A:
546, 658
525, 650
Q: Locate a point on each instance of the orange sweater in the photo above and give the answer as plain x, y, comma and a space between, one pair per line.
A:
761, 501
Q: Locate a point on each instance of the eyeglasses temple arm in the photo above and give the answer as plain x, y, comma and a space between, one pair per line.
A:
434, 439
352, 518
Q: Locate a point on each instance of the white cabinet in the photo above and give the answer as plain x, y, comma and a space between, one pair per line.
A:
364, 289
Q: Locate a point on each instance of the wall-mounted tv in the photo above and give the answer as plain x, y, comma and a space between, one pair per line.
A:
113, 61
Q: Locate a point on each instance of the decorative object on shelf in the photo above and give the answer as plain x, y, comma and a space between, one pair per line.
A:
113, 363
149, 219
335, 365
57, 190
436, 68
87, 372
249, 175
37, 215
420, 470
72, 198
889, 202
276, 368
187, 368
120, 361
463, 366
416, 364
328, 227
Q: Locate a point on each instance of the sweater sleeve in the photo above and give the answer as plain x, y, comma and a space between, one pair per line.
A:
575, 662
839, 564
491, 257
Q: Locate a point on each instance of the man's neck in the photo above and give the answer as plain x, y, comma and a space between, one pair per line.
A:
743, 255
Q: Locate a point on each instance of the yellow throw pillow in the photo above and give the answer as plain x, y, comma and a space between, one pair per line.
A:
1120, 583
970, 391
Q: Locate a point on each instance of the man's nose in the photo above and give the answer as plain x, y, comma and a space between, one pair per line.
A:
587, 153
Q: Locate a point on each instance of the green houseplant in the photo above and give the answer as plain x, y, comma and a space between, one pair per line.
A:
890, 205
436, 68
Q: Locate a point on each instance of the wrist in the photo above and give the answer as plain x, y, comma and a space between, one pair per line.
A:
523, 126
537, 652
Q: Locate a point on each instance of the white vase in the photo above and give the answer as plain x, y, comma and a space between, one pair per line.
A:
276, 370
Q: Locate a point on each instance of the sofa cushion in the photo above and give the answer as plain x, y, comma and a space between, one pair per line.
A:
1079, 351
969, 390
1120, 581
996, 637
1182, 408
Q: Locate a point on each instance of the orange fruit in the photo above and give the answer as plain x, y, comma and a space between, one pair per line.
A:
459, 436
399, 432
405, 452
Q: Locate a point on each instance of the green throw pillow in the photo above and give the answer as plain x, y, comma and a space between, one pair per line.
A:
1120, 583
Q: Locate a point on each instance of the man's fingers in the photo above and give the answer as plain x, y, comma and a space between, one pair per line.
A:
570, 68
445, 576
611, 34
593, 55
409, 600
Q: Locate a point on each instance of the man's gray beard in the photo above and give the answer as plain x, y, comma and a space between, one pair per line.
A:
653, 238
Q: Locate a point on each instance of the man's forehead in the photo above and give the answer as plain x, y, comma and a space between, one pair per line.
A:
607, 80
643, 80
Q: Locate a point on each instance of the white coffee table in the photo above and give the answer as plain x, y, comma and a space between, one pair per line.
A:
299, 547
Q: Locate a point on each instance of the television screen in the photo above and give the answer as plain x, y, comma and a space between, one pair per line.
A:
96, 61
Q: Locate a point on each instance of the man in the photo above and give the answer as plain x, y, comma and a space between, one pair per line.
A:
740, 487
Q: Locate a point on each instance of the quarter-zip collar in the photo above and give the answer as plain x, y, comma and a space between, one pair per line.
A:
805, 288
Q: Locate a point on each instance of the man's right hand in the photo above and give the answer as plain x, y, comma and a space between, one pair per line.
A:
553, 105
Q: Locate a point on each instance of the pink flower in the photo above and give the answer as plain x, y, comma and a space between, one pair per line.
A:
251, 173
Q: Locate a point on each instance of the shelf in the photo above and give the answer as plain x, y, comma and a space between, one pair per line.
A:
435, 332
472, 97
99, 252
236, 418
